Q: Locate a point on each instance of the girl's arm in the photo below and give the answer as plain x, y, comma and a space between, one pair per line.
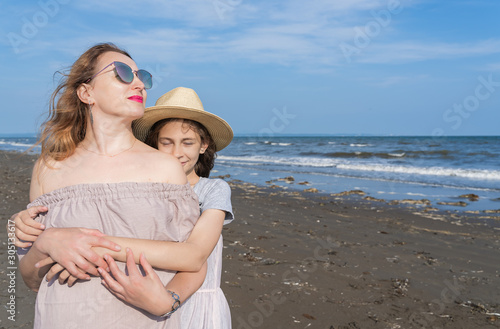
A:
187, 256
26, 228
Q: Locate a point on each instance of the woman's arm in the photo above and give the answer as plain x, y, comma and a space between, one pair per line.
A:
79, 258
147, 291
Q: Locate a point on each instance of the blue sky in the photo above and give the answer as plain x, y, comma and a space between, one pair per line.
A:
389, 67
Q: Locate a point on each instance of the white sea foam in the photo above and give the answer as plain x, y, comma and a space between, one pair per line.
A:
15, 144
18, 146
434, 171
295, 161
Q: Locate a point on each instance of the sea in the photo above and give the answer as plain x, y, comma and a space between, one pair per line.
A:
439, 169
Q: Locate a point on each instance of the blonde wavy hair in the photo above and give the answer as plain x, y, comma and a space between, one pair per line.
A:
66, 122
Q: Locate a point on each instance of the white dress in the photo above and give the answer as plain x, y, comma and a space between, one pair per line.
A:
208, 307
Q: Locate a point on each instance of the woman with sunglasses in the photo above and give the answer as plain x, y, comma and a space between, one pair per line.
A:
178, 125
95, 177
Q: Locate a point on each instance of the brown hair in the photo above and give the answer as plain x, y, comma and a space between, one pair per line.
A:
66, 122
206, 160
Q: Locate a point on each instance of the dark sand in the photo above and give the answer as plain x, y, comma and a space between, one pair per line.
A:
303, 260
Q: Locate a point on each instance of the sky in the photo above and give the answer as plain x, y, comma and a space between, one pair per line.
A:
270, 68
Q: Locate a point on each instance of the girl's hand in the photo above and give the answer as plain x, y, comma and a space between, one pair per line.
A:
72, 249
144, 291
27, 229
64, 275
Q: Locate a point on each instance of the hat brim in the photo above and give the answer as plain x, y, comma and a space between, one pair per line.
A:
219, 129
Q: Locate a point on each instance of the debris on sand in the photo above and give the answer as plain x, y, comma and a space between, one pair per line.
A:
370, 198
358, 192
470, 197
288, 179
458, 204
411, 201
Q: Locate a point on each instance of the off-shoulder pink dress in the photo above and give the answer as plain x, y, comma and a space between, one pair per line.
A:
155, 211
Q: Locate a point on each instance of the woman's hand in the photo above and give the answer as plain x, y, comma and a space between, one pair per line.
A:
72, 249
144, 291
27, 229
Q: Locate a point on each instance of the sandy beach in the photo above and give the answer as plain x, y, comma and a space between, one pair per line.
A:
304, 260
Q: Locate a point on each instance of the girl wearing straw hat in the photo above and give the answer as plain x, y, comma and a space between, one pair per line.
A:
178, 125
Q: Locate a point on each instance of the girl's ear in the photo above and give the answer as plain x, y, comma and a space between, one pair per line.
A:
84, 93
203, 148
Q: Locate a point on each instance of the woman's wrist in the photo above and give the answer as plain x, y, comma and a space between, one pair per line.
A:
40, 244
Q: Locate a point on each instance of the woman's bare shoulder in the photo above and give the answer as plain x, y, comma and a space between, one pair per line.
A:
41, 173
165, 165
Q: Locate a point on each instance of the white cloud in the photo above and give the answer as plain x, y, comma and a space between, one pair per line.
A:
404, 52
304, 34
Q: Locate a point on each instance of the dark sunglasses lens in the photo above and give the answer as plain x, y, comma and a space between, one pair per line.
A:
124, 72
146, 78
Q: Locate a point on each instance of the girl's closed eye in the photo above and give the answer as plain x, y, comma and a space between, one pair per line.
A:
165, 142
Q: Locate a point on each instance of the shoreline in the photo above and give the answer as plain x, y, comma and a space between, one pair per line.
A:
295, 259
450, 199
422, 206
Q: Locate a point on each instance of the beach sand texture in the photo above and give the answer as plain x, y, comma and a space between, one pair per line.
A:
304, 260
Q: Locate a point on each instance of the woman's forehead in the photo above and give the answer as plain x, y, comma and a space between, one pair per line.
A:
112, 56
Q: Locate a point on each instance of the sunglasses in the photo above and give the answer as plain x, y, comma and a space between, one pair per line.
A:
126, 74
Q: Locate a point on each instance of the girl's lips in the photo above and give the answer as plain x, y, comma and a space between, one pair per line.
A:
138, 99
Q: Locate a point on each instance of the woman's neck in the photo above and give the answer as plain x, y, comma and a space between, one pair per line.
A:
108, 142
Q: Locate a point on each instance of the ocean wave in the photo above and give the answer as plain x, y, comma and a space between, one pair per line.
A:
15, 144
356, 154
18, 146
481, 174
475, 174
295, 161
399, 153
359, 145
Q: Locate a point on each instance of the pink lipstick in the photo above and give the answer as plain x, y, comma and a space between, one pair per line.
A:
136, 98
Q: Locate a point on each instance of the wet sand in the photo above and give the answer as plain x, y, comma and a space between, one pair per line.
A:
305, 260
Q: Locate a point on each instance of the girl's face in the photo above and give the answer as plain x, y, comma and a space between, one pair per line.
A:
178, 139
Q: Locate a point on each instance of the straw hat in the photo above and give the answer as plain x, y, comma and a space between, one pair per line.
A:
183, 103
